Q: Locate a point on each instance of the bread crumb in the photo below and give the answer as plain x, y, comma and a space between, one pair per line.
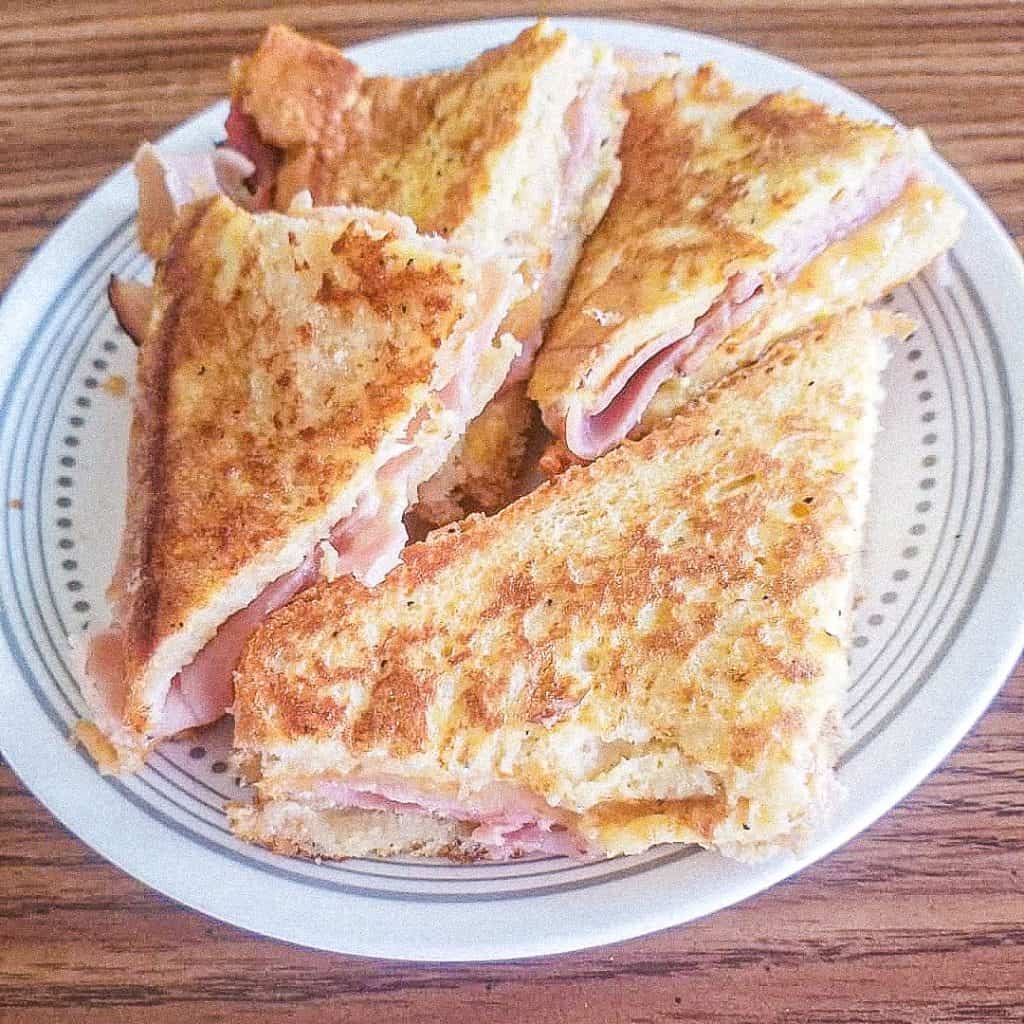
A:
330, 561
16, 504
98, 747
115, 385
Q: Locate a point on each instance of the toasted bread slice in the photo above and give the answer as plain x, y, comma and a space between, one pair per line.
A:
647, 649
299, 378
518, 150
726, 200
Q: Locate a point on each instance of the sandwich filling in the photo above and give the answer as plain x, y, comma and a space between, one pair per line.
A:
587, 125
584, 124
592, 430
507, 821
243, 137
169, 181
366, 543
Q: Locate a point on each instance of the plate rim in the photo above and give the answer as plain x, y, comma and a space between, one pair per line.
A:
653, 920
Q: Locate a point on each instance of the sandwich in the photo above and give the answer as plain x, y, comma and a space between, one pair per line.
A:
648, 649
515, 150
299, 376
739, 219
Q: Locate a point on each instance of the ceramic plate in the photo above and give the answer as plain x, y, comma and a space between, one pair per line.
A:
937, 627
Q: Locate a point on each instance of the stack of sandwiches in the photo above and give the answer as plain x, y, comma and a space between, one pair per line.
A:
365, 304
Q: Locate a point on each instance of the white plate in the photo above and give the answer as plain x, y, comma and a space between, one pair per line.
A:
936, 632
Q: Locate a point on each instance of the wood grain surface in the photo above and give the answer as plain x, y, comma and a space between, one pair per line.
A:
920, 919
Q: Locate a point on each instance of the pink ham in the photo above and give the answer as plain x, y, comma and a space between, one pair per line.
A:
506, 841
369, 541
243, 170
244, 138
169, 181
509, 822
630, 391
201, 692
132, 302
582, 120
621, 403
842, 217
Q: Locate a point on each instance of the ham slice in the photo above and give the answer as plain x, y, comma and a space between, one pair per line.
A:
168, 181
201, 692
842, 217
370, 540
620, 404
630, 391
582, 122
244, 170
132, 302
368, 543
509, 822
244, 138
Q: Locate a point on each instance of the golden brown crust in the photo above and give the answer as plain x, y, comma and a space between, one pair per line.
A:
292, 829
284, 355
682, 597
711, 180
294, 87
425, 147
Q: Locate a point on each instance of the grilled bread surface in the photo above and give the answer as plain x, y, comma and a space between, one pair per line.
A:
886, 252
474, 153
714, 180
653, 644
285, 361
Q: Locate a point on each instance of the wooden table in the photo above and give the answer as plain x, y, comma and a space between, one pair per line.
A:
919, 919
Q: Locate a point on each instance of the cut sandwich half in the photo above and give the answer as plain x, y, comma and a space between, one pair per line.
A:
739, 219
299, 377
648, 649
